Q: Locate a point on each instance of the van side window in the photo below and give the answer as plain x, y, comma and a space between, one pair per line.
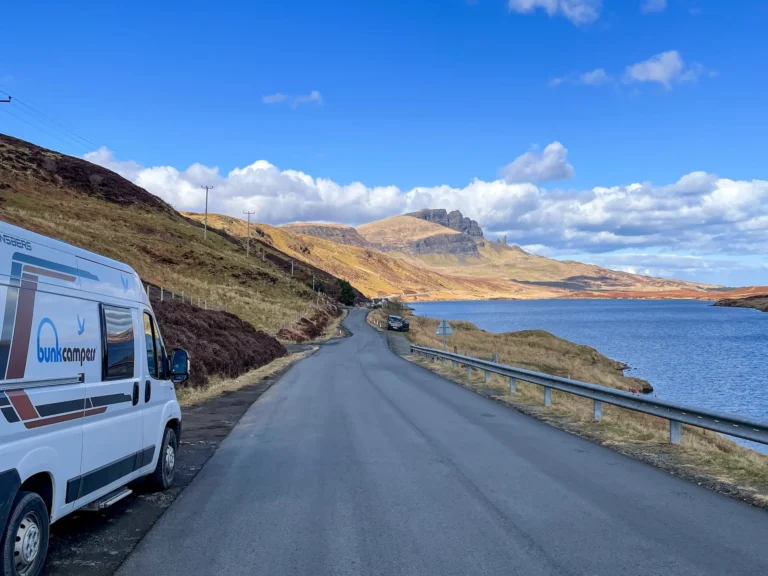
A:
118, 342
157, 361
149, 339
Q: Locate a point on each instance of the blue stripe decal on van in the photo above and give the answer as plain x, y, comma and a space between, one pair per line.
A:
27, 259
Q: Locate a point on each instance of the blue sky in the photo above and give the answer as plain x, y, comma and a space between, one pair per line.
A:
404, 94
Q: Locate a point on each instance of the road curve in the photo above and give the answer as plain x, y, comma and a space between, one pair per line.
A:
358, 462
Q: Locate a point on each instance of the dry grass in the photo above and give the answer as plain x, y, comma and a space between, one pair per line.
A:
703, 456
164, 249
218, 386
332, 328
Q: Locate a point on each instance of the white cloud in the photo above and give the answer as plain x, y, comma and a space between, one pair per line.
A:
700, 214
595, 78
653, 6
551, 164
294, 101
666, 68
313, 96
577, 11
274, 98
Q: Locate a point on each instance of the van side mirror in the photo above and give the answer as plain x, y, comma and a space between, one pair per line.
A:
179, 365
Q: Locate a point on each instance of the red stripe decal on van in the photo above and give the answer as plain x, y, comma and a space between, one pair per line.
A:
23, 404
63, 418
17, 363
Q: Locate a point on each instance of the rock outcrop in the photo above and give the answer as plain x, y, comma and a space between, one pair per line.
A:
454, 220
462, 244
334, 233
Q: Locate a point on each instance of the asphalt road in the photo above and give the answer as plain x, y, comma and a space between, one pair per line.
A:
358, 462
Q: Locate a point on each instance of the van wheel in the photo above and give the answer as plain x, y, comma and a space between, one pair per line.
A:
25, 543
162, 477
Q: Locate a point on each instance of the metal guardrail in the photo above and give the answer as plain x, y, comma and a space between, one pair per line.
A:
729, 424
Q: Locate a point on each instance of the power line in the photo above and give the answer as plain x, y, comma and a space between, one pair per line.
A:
248, 239
36, 113
4, 109
205, 229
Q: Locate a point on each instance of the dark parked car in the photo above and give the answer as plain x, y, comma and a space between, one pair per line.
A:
398, 324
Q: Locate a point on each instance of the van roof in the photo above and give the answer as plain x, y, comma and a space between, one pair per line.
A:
64, 247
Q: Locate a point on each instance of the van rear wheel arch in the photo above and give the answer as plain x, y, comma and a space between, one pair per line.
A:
42, 485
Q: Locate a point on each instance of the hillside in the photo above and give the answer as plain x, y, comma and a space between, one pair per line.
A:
89, 206
495, 270
373, 272
336, 232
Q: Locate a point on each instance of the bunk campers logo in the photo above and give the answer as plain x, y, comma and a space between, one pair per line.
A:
55, 353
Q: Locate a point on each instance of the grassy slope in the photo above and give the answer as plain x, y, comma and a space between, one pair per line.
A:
398, 231
88, 206
704, 457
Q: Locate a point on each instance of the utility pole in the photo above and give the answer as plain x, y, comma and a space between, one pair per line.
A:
205, 229
248, 241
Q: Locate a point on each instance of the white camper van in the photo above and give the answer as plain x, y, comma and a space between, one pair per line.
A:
87, 400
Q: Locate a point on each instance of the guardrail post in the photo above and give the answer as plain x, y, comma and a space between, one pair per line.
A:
513, 385
487, 376
469, 371
547, 396
674, 432
598, 410
453, 364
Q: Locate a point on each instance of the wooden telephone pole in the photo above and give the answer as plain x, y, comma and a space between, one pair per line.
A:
248, 239
205, 229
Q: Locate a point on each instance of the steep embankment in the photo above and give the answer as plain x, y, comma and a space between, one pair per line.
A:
89, 206
219, 343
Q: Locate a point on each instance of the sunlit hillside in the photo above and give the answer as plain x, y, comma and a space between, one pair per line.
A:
373, 272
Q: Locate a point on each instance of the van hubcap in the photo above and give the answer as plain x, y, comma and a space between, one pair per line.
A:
27, 543
170, 461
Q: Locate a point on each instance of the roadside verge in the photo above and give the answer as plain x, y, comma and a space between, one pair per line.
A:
703, 457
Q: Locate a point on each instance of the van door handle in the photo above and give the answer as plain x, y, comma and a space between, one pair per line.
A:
147, 391
135, 393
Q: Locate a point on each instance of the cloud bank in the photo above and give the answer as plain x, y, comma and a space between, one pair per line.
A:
700, 214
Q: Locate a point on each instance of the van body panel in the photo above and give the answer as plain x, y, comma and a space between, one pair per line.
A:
71, 353
108, 281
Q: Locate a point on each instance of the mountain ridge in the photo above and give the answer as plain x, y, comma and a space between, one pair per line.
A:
389, 265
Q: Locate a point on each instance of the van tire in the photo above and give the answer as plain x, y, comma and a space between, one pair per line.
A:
25, 543
165, 470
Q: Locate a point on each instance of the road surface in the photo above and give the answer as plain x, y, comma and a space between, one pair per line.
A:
360, 463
